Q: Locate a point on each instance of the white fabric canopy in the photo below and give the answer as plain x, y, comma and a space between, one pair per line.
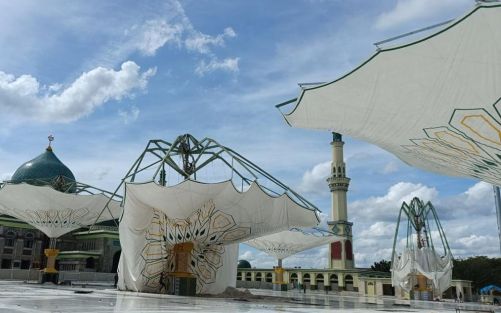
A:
289, 242
423, 261
53, 212
434, 103
214, 217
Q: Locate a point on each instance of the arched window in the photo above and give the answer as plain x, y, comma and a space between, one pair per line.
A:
239, 275
259, 277
10, 238
333, 279
90, 263
28, 241
348, 282
339, 171
248, 276
319, 279
348, 249
269, 277
336, 250
306, 278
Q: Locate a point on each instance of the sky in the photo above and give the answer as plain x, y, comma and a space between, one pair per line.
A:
105, 77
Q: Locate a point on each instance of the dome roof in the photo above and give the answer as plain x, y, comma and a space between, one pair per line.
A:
243, 264
45, 169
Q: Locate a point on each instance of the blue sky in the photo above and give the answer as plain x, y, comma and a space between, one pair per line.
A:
105, 77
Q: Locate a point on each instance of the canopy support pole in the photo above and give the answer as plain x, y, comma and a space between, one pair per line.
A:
497, 201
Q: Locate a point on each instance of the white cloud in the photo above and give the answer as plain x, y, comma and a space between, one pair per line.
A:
477, 200
406, 11
154, 34
479, 192
130, 115
5, 176
314, 180
24, 97
385, 208
202, 43
228, 65
247, 255
390, 167
176, 29
379, 229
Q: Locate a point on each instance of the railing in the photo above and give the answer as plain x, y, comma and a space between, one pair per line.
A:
102, 227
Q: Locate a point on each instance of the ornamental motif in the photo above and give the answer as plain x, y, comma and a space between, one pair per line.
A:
470, 144
208, 229
64, 218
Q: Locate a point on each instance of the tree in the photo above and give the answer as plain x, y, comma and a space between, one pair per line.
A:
481, 270
381, 266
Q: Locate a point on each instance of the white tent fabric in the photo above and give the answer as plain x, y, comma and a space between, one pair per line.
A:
214, 217
53, 212
424, 261
289, 242
434, 103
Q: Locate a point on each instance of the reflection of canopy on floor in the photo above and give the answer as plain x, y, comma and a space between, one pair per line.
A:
289, 242
53, 212
434, 103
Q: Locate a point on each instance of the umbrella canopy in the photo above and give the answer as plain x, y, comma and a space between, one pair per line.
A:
53, 212
212, 216
289, 242
434, 103
254, 210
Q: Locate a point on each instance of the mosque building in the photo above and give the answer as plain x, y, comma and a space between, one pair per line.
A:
341, 273
98, 249
22, 245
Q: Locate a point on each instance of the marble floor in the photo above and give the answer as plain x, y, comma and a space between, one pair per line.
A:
18, 297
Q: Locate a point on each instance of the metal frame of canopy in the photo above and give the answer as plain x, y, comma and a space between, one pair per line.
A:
65, 185
419, 228
182, 175
193, 155
417, 208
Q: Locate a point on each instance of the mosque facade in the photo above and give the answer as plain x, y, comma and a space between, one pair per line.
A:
22, 245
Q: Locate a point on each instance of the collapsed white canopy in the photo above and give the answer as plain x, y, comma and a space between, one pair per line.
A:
254, 209
423, 261
53, 212
214, 217
289, 242
434, 103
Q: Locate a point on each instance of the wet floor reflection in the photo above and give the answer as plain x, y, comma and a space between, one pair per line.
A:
17, 297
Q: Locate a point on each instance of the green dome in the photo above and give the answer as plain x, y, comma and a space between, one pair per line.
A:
46, 169
243, 264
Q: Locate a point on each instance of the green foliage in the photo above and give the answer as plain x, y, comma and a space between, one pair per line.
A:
381, 266
481, 270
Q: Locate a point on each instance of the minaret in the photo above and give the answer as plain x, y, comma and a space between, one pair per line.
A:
341, 252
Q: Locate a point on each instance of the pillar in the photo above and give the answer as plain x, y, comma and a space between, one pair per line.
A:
340, 252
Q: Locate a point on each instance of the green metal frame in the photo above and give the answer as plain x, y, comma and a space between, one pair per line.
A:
418, 220
187, 155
